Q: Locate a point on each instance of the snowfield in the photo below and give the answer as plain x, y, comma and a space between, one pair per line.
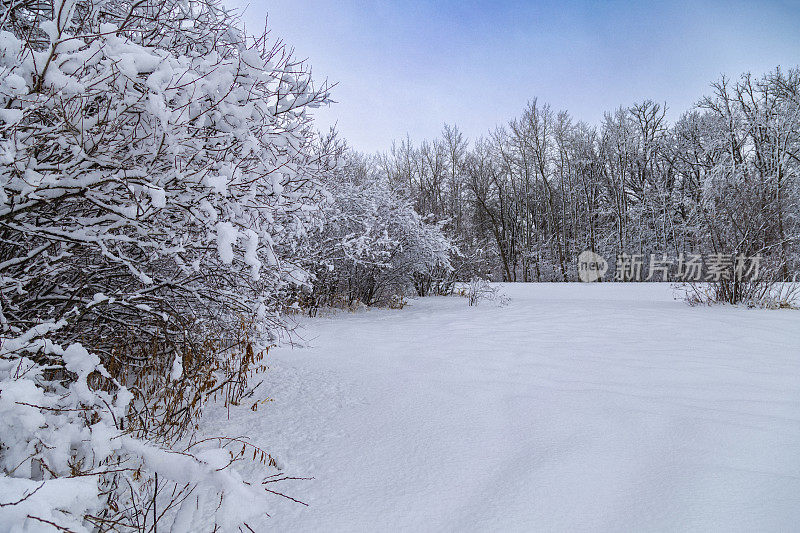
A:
600, 407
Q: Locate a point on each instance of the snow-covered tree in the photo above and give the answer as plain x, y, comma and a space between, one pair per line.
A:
371, 244
750, 201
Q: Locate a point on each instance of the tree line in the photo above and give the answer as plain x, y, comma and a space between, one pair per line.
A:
522, 202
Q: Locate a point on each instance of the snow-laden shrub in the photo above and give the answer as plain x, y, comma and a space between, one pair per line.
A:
157, 177
68, 464
148, 170
766, 293
479, 289
371, 244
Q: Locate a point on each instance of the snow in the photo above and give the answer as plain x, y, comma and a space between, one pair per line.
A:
77, 359
251, 253
157, 196
227, 235
601, 407
43, 500
177, 368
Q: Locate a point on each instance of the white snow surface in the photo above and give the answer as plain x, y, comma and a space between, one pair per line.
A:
602, 407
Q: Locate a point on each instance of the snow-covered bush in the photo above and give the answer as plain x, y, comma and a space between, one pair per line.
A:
156, 178
766, 293
371, 244
479, 289
68, 462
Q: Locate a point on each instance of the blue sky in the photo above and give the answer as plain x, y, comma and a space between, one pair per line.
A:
409, 67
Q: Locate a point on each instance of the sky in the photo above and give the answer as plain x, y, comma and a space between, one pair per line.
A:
408, 67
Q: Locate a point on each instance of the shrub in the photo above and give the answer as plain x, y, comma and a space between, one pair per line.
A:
158, 173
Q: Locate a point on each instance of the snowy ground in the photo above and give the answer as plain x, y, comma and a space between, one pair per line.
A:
576, 407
